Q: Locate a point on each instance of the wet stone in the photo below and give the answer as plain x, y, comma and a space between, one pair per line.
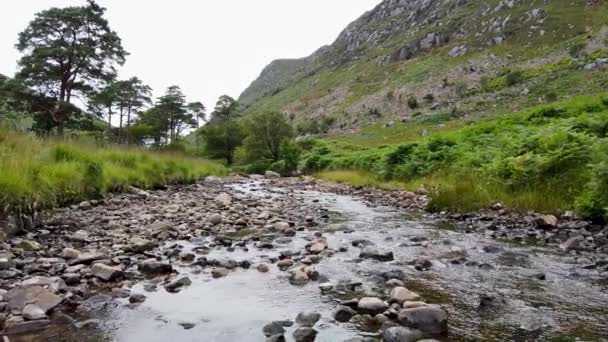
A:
308, 319
304, 334
273, 328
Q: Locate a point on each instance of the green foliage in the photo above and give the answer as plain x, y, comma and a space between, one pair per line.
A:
222, 140
38, 174
412, 102
266, 134
67, 50
535, 159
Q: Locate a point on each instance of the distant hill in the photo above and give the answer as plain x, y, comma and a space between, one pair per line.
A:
473, 57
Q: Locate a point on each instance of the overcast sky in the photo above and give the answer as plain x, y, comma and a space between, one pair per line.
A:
208, 47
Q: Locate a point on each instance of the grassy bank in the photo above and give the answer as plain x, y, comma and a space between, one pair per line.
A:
549, 158
40, 174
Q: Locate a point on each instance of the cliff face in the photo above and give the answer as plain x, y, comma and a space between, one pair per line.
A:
417, 48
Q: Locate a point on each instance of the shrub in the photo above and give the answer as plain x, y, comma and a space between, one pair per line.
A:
412, 102
514, 78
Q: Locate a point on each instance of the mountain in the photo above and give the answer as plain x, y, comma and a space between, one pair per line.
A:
410, 57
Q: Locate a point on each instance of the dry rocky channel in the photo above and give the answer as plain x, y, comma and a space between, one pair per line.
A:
296, 259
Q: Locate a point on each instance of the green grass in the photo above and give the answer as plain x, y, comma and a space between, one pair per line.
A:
548, 158
38, 174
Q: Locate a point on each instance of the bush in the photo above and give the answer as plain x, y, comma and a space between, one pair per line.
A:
412, 102
514, 78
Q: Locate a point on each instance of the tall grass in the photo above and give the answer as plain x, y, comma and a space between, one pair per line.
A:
40, 174
548, 158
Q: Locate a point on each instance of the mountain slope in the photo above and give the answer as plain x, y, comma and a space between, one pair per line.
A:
415, 57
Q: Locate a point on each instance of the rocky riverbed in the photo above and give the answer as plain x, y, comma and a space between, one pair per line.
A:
256, 259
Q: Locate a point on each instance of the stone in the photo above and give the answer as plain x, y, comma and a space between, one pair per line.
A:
215, 219
33, 312
573, 243
308, 318
153, 267
401, 334
299, 277
176, 285
263, 268
317, 246
285, 264
304, 334
29, 245
219, 272
223, 199
19, 297
271, 175
371, 305
26, 327
139, 245
187, 325
546, 221
137, 298
276, 338
6, 263
105, 272
343, 314
428, 319
87, 258
401, 294
70, 253
272, 329
373, 253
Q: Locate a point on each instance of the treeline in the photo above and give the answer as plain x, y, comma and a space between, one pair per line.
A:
72, 53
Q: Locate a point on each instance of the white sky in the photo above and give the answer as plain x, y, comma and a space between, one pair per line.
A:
208, 47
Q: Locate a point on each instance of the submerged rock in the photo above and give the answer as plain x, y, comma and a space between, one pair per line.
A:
429, 319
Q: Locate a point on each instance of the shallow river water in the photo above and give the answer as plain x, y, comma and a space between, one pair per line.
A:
533, 293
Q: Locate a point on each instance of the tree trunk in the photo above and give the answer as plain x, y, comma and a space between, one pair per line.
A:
121, 116
128, 124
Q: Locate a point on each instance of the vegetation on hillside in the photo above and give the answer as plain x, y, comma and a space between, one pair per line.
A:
548, 158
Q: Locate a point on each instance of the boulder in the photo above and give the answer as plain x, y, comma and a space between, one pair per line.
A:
304, 334
139, 245
573, 243
29, 245
428, 319
44, 299
299, 277
317, 246
546, 221
343, 314
307, 318
33, 312
371, 305
105, 272
215, 219
154, 267
401, 334
376, 254
70, 253
176, 285
224, 199
273, 328
219, 272
400, 294
272, 175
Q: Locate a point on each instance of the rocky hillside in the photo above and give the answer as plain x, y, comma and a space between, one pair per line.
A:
410, 57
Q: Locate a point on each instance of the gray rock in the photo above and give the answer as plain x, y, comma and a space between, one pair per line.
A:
33, 312
27, 327
401, 294
139, 245
371, 305
215, 219
105, 272
428, 319
19, 297
307, 318
573, 243
29, 245
6, 263
546, 221
285, 264
401, 334
153, 267
177, 284
376, 254
272, 175
273, 328
137, 298
263, 268
70, 253
299, 277
344, 314
219, 272
304, 334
